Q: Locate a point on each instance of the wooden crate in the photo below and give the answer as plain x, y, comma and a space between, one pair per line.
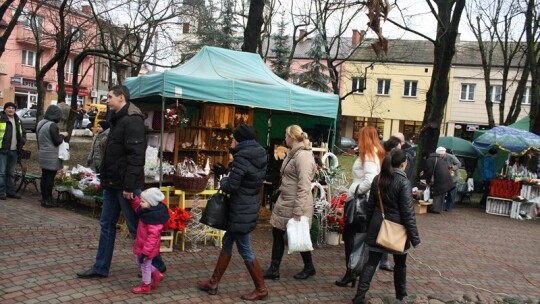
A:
498, 206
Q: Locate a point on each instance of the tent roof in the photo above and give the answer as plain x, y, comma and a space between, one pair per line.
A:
522, 124
233, 77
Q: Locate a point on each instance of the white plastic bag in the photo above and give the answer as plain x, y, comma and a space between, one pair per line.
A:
63, 151
427, 193
298, 235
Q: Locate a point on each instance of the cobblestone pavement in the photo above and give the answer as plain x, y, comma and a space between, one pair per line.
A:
466, 256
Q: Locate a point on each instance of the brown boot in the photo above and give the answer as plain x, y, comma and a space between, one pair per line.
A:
211, 286
260, 292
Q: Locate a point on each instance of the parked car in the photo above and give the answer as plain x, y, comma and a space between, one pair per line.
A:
86, 124
28, 119
347, 143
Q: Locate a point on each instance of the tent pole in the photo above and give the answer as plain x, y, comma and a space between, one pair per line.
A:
162, 131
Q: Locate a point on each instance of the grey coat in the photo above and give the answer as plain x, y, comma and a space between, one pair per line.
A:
297, 172
49, 139
98, 147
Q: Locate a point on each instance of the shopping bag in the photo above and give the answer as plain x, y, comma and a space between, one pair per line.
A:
359, 254
298, 235
63, 151
216, 213
392, 236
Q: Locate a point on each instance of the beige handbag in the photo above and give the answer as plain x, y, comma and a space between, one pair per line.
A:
392, 236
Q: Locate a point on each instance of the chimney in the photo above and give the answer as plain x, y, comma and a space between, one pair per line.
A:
86, 10
185, 28
302, 36
356, 37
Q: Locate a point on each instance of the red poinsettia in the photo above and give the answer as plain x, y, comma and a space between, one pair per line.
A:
178, 218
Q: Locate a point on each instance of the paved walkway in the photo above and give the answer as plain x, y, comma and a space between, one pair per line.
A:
466, 256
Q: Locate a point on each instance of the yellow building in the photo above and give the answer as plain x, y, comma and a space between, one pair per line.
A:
388, 93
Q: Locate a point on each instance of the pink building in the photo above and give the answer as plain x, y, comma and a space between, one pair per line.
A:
17, 64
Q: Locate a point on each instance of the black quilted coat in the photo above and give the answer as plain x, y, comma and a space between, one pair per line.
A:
243, 184
398, 208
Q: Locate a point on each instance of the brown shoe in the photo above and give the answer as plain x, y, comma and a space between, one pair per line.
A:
211, 285
260, 292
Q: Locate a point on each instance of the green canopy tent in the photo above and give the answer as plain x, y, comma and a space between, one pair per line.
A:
236, 78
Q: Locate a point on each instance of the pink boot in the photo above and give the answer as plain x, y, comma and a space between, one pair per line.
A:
143, 288
156, 278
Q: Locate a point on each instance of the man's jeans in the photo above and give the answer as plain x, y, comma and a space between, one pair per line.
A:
243, 244
8, 162
450, 199
113, 203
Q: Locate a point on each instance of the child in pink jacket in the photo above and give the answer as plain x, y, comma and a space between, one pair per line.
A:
153, 216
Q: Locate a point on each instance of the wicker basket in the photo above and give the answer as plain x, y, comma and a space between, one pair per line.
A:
190, 184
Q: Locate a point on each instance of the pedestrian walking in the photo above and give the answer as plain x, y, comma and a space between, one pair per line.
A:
295, 200
392, 186
153, 216
12, 139
243, 184
122, 178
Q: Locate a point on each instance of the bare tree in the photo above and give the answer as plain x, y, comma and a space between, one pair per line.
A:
532, 24
494, 21
18, 10
253, 29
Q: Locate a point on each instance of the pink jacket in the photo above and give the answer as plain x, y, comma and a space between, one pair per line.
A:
148, 238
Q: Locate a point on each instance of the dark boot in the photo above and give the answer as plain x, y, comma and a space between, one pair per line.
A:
400, 282
260, 292
363, 284
48, 203
309, 269
349, 277
211, 285
278, 247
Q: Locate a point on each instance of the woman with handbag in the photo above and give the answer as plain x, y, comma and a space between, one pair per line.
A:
390, 195
366, 166
295, 199
243, 184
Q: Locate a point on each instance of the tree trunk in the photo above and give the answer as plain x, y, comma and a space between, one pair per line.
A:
253, 28
12, 23
437, 95
533, 59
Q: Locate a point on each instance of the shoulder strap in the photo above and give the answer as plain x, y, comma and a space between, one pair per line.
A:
380, 196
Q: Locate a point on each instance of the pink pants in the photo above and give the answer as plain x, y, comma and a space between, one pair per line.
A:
146, 269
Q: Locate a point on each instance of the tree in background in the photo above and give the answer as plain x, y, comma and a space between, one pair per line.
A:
252, 31
280, 64
532, 24
314, 76
12, 22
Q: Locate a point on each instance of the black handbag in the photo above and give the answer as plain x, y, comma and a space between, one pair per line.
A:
216, 213
359, 254
355, 208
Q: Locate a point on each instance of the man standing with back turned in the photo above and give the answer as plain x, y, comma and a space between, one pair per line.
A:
122, 177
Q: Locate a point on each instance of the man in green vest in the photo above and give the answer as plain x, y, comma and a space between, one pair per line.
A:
12, 139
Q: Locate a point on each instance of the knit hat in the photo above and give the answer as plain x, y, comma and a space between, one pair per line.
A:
152, 196
104, 124
441, 150
10, 104
244, 132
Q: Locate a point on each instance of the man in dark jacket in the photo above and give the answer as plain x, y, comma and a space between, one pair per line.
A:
243, 184
411, 155
121, 176
12, 139
438, 178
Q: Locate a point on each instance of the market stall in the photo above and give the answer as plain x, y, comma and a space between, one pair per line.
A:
516, 189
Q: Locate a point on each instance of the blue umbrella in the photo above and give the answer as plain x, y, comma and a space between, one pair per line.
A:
509, 139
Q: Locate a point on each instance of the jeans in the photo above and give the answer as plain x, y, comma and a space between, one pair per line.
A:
78, 124
450, 199
113, 203
8, 161
243, 244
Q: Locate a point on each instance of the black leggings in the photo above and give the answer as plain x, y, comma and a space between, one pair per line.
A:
278, 248
47, 184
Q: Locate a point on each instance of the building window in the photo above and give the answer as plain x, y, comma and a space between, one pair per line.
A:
360, 122
76, 33
358, 85
69, 70
104, 72
383, 87
80, 100
526, 96
495, 93
31, 22
28, 58
410, 88
467, 91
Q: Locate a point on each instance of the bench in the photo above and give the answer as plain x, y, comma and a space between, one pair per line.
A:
29, 178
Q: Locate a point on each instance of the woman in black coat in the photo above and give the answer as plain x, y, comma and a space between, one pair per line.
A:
438, 177
395, 191
243, 184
